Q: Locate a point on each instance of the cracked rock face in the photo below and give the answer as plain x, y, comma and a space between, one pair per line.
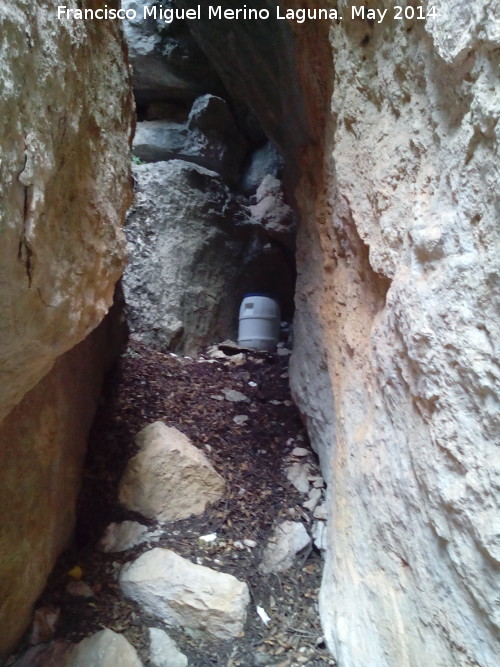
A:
62, 248
64, 187
181, 594
169, 479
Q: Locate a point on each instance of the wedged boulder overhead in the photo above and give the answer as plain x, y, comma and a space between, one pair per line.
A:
209, 138
167, 64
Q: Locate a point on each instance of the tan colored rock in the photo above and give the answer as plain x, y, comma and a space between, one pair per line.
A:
104, 649
181, 594
43, 436
64, 187
169, 479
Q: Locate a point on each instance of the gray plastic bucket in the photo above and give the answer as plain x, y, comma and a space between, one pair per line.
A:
259, 322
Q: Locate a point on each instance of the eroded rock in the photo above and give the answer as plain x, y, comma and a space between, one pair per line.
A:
169, 479
188, 596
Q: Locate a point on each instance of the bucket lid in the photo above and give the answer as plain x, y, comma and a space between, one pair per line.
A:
266, 294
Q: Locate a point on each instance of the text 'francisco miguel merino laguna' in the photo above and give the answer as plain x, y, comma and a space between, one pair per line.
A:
217, 12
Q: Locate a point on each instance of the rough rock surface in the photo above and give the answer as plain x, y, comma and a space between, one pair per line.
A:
65, 121
104, 649
167, 64
159, 140
271, 211
164, 652
64, 188
42, 449
189, 243
264, 161
185, 595
122, 536
287, 541
394, 364
169, 479
209, 138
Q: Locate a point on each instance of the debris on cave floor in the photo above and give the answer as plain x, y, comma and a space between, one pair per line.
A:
234, 405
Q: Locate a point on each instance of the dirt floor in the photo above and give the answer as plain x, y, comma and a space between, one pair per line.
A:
147, 386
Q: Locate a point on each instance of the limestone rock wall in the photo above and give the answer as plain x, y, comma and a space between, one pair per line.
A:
42, 449
406, 232
66, 114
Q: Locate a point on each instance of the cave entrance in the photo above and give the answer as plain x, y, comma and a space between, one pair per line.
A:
211, 220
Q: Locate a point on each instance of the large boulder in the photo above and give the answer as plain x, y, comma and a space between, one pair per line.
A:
167, 64
215, 140
169, 479
210, 138
159, 140
187, 596
190, 241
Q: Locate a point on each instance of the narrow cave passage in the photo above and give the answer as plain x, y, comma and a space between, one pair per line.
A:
210, 222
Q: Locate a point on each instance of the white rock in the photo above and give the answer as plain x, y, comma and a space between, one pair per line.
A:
319, 535
122, 536
240, 419
234, 396
251, 544
288, 539
314, 498
321, 512
104, 649
299, 452
164, 651
169, 479
297, 475
186, 595
237, 359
